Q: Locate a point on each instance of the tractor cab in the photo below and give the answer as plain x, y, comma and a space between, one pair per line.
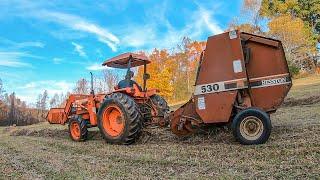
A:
128, 61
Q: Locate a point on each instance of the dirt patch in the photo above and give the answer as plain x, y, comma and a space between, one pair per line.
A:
40, 133
290, 102
204, 135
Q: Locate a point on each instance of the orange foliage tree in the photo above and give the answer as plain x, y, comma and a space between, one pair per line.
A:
174, 73
160, 73
297, 39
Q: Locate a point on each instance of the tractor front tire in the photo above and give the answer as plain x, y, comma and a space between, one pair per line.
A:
78, 129
119, 119
251, 126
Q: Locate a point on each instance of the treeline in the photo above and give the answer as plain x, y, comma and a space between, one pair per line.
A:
173, 73
103, 82
13, 111
295, 22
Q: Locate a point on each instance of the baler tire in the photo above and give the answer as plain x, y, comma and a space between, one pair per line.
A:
258, 118
130, 114
82, 125
161, 107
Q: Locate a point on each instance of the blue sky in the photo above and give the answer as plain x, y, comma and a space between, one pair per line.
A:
51, 44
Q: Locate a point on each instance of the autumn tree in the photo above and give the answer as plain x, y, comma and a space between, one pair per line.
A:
109, 80
174, 73
54, 101
38, 101
1, 89
41, 104
160, 75
2, 102
306, 10
297, 39
296, 24
293, 22
184, 65
82, 87
250, 19
44, 100
12, 109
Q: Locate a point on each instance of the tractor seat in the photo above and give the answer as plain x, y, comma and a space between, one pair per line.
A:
128, 83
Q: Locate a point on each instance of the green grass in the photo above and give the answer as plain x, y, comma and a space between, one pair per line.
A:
45, 151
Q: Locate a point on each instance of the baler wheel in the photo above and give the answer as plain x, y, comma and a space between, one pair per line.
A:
77, 129
119, 119
251, 126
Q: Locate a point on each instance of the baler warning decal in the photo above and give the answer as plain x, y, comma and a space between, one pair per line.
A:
201, 103
221, 86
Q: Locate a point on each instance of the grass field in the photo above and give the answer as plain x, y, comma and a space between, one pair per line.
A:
293, 151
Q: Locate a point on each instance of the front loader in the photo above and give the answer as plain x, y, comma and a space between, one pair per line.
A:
120, 115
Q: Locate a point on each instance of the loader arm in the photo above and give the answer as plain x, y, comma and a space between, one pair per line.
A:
60, 115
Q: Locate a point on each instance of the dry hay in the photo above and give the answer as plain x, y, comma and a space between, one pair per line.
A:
290, 102
209, 135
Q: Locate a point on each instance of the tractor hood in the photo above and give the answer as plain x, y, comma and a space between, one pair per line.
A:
122, 60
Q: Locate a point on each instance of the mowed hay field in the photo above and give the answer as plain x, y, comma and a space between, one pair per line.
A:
293, 151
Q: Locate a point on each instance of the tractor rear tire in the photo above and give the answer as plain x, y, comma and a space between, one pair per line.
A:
161, 106
119, 119
251, 126
78, 129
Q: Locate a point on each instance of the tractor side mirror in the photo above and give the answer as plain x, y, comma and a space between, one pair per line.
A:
146, 76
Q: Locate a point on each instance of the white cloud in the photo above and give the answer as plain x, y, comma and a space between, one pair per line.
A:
79, 49
19, 45
12, 63
14, 59
139, 36
207, 21
96, 67
78, 23
30, 44
109, 43
155, 31
29, 92
57, 60
148, 36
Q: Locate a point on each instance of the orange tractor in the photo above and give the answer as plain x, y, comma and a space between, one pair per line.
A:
241, 79
120, 115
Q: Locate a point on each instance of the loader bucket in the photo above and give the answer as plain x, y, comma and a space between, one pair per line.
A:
56, 116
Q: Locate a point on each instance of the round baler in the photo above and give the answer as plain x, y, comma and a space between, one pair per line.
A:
242, 78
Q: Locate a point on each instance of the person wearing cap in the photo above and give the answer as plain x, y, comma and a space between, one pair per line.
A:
128, 82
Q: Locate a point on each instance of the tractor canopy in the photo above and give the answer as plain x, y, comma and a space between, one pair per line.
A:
122, 61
